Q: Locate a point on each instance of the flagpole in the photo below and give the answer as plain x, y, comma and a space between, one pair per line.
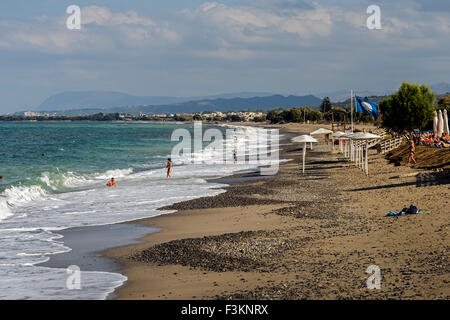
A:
351, 106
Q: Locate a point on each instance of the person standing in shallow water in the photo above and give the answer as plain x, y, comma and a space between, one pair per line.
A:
412, 152
169, 167
112, 183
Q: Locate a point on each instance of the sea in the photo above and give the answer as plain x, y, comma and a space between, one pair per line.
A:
55, 175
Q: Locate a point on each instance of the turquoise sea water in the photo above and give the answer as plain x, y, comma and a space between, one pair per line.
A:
28, 150
54, 178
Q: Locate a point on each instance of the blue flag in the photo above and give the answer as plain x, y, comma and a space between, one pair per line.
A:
367, 107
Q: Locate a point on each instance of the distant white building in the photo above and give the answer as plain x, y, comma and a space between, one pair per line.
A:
31, 114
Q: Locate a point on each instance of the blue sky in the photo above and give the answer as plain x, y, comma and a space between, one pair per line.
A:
192, 48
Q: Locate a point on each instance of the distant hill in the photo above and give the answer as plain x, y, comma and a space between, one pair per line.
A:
441, 88
254, 103
346, 104
109, 99
220, 104
343, 95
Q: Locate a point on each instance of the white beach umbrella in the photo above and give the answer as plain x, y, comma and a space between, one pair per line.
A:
347, 143
304, 139
435, 122
354, 151
440, 125
366, 137
321, 131
446, 129
338, 135
354, 135
352, 147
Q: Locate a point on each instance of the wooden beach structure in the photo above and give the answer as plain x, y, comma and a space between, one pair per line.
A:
359, 148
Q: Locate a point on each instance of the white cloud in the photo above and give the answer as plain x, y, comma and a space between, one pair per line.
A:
227, 54
104, 17
224, 31
102, 31
254, 23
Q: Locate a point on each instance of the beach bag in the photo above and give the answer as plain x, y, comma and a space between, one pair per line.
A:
413, 209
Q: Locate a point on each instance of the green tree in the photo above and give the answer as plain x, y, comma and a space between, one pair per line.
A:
273, 116
411, 107
326, 105
292, 115
314, 115
259, 119
339, 113
234, 118
444, 102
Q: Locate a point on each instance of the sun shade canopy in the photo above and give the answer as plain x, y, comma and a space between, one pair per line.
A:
364, 136
304, 138
321, 131
338, 134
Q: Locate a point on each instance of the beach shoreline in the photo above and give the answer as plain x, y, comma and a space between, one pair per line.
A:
88, 243
293, 237
311, 245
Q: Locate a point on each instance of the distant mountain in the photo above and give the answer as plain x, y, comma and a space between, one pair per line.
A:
254, 103
221, 104
346, 104
343, 95
441, 88
109, 99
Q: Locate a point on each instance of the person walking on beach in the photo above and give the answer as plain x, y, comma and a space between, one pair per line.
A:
111, 183
169, 167
412, 152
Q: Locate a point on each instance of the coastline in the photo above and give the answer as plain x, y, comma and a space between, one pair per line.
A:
316, 244
312, 238
88, 243
199, 216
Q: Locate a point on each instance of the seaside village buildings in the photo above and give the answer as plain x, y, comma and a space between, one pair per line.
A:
244, 116
208, 116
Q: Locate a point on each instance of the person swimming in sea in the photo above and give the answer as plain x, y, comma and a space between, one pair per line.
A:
169, 167
1, 178
112, 183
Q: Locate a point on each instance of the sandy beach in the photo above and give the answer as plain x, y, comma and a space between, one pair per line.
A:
299, 237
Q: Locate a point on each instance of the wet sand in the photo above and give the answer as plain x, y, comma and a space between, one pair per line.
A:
299, 237
87, 243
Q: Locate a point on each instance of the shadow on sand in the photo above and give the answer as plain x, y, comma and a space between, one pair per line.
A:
422, 180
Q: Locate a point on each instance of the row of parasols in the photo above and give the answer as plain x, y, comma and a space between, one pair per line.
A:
355, 146
440, 123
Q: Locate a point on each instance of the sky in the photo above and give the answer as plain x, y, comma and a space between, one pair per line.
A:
196, 48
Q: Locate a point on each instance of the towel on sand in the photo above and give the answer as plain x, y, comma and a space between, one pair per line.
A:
411, 210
